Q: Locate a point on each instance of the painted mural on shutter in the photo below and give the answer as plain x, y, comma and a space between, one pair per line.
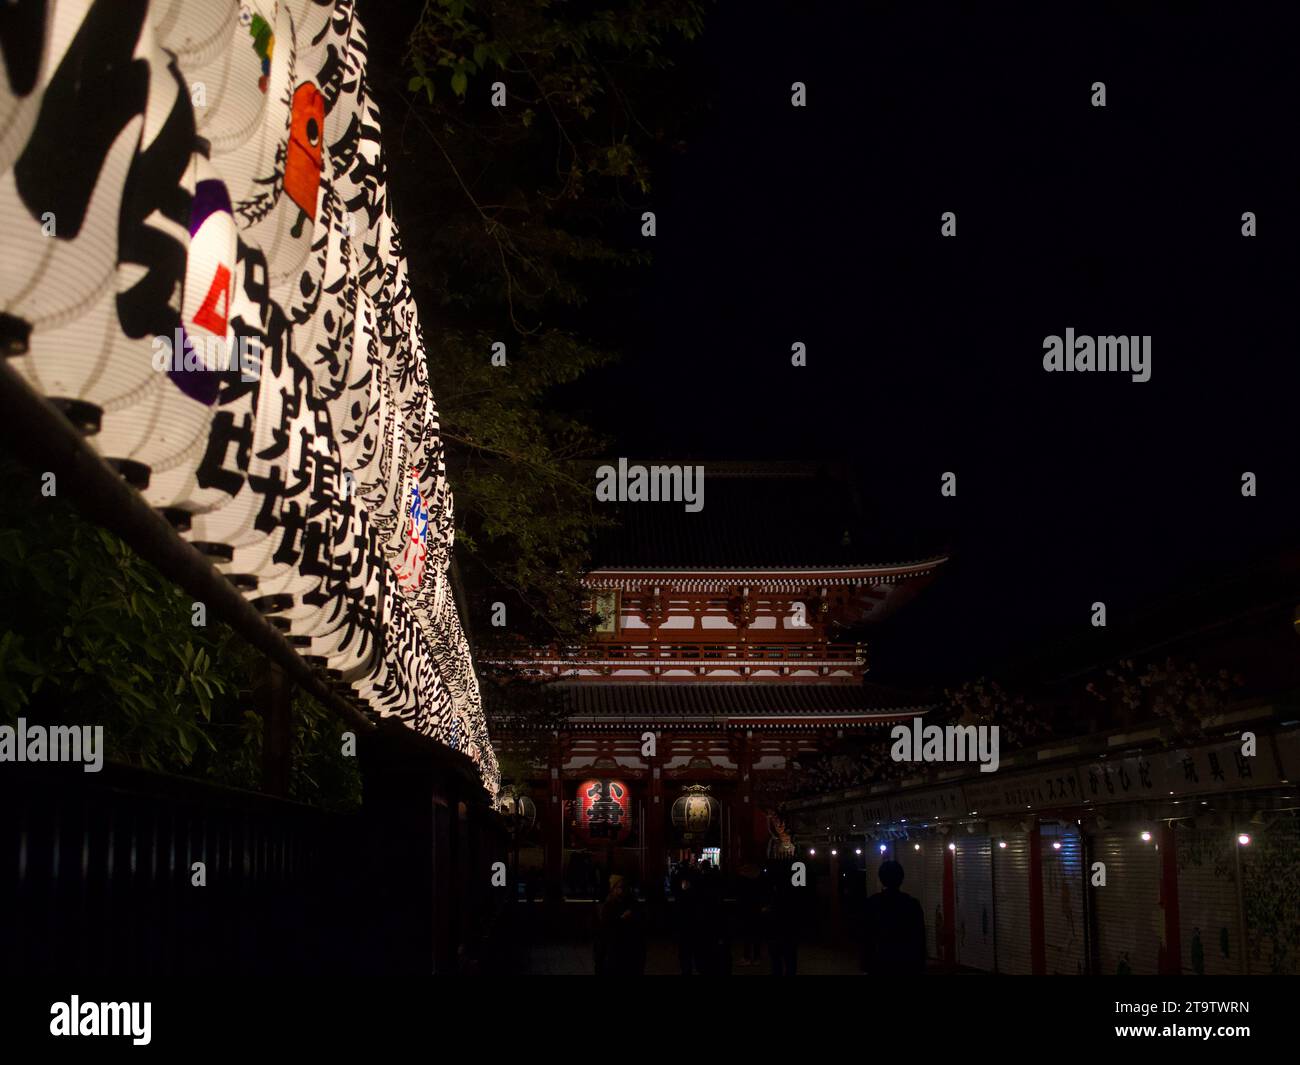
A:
1271, 894
1130, 922
931, 857
1063, 888
1207, 901
974, 875
1011, 904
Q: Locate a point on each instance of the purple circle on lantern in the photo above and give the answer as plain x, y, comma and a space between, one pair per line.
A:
210, 197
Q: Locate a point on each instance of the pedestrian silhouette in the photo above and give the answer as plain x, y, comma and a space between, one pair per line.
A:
893, 941
781, 922
689, 917
620, 932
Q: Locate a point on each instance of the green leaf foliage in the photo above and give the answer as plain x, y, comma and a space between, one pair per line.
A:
515, 220
92, 634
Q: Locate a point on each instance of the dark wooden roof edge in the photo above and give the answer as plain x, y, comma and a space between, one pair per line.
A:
915, 563
726, 700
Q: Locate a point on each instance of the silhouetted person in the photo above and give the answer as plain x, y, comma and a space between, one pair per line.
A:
782, 924
893, 929
578, 879
749, 891
688, 911
713, 944
620, 932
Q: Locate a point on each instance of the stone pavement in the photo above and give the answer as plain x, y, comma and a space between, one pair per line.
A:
575, 959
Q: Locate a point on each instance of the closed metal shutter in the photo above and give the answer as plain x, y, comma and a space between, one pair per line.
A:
1270, 877
1011, 904
931, 858
1207, 902
974, 876
1130, 921
1063, 887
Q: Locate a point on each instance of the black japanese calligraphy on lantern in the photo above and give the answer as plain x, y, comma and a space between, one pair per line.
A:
605, 808
96, 90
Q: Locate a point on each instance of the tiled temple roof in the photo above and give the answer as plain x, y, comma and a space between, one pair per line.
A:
718, 700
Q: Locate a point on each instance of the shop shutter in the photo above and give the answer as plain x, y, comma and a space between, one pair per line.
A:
974, 876
931, 858
915, 874
1011, 904
1130, 920
1209, 920
1270, 875
1063, 887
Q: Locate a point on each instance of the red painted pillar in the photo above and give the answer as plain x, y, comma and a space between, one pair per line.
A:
760, 832
836, 915
949, 909
654, 825
747, 836
553, 847
1171, 954
1037, 939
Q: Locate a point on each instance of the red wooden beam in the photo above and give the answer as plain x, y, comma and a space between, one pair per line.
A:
1037, 939
949, 911
1171, 960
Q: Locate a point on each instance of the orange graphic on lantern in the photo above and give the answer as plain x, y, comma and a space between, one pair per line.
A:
305, 160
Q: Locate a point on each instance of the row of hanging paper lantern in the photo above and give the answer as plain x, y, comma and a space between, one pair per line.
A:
202, 267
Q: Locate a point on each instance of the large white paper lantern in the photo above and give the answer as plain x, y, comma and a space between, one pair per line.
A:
213, 177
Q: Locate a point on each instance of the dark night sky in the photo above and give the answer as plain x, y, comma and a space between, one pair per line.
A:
925, 354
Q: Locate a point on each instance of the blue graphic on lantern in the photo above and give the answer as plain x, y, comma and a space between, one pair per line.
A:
410, 569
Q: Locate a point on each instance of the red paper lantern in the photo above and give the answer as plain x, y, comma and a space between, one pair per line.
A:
604, 810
